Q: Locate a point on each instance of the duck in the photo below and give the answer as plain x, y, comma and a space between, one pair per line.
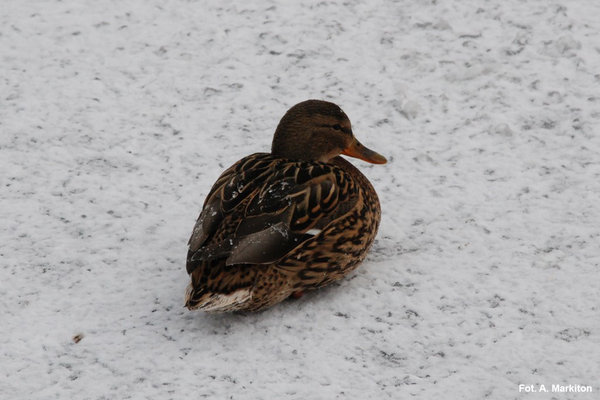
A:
275, 225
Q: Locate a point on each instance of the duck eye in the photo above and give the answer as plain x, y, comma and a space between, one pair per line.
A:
337, 127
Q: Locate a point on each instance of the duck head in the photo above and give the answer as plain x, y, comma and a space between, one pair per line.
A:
317, 130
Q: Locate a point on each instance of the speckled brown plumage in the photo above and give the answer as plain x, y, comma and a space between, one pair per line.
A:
274, 225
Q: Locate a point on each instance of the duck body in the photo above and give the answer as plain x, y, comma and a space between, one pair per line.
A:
273, 226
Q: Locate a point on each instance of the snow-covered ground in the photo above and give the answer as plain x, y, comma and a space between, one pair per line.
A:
117, 117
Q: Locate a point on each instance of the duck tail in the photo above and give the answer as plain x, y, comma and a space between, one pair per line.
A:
199, 299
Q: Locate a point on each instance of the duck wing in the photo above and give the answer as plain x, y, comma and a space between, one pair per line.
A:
264, 206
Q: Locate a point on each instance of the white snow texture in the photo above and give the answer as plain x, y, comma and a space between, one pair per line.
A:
117, 117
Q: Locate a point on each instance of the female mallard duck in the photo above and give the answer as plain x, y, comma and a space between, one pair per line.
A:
274, 225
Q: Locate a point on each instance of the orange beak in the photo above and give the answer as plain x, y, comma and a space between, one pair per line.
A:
357, 150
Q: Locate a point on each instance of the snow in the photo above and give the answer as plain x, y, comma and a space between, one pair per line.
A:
117, 117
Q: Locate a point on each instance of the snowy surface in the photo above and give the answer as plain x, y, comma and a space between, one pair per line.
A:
117, 117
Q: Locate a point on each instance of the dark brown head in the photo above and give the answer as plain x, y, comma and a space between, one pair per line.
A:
317, 130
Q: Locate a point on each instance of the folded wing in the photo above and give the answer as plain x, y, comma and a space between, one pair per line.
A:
263, 207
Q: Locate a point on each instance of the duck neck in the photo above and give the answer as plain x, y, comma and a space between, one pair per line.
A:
354, 172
